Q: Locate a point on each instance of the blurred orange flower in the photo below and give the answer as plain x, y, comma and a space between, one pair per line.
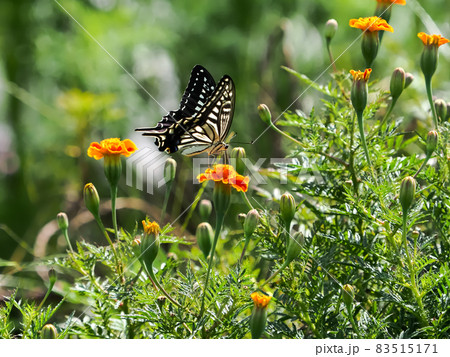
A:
227, 175
361, 76
260, 300
150, 227
371, 24
113, 146
396, 2
432, 40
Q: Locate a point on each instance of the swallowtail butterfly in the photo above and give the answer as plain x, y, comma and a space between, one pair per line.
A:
203, 120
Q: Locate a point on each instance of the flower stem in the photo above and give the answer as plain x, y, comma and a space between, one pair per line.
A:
247, 240
219, 222
159, 286
353, 322
430, 100
412, 272
102, 228
66, 236
246, 200
285, 264
330, 54
386, 116
113, 210
166, 199
422, 166
359, 115
49, 290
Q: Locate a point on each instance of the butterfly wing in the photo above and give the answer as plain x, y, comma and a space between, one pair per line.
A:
212, 123
208, 125
200, 87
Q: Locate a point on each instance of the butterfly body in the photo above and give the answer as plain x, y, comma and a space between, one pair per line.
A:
203, 120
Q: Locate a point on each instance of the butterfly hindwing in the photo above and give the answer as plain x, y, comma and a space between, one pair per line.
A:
203, 119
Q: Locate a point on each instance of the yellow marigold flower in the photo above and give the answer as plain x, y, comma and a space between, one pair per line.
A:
150, 227
389, 2
227, 175
371, 24
260, 300
361, 76
432, 40
113, 146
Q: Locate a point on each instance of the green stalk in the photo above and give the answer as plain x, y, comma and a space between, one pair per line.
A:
66, 236
285, 264
102, 228
219, 222
430, 100
386, 116
247, 240
359, 115
246, 200
412, 272
49, 290
159, 286
352, 321
330, 54
166, 199
422, 166
113, 210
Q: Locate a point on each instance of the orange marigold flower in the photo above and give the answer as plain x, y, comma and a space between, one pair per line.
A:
371, 24
389, 2
227, 175
361, 76
113, 146
150, 227
432, 40
260, 300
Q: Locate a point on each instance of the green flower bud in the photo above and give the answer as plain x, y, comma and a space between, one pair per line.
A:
91, 199
205, 209
264, 114
294, 246
407, 192
251, 222
348, 295
359, 89
287, 208
432, 142
52, 277
49, 332
369, 46
221, 197
397, 82
150, 243
205, 237
428, 61
112, 166
441, 109
241, 218
238, 155
63, 221
330, 29
170, 169
258, 318
408, 80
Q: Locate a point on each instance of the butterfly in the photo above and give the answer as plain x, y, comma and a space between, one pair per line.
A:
203, 120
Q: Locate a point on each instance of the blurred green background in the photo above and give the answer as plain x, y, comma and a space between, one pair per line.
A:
64, 83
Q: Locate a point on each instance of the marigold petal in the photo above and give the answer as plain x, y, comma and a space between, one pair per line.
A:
112, 146
95, 151
389, 2
372, 24
227, 175
432, 40
261, 301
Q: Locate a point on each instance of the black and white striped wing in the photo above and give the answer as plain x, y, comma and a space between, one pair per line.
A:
212, 124
200, 87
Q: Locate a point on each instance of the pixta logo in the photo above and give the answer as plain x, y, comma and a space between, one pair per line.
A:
149, 167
